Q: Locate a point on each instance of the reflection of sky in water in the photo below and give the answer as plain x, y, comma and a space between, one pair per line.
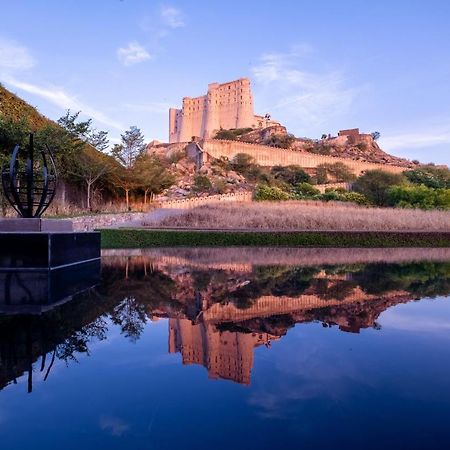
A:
315, 387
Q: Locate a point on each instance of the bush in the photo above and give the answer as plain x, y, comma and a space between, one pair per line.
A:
264, 192
374, 185
430, 176
306, 190
290, 174
280, 140
232, 134
420, 196
242, 162
319, 148
355, 197
202, 184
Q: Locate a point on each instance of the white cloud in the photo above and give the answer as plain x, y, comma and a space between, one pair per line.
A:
312, 97
15, 56
114, 425
61, 98
172, 17
152, 107
132, 54
422, 138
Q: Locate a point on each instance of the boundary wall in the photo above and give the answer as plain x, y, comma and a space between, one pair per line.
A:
272, 156
187, 203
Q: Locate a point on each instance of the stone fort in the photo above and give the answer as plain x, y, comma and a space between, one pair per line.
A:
225, 106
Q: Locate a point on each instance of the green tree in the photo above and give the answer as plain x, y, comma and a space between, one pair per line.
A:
374, 185
152, 176
90, 168
132, 146
337, 172
429, 175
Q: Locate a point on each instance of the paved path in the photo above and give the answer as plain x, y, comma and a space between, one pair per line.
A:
154, 216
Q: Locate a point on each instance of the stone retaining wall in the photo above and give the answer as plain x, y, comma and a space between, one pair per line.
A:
89, 223
186, 203
272, 156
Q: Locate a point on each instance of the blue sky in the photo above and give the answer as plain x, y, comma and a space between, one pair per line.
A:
316, 66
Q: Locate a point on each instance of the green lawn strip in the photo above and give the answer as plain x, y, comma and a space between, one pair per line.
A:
133, 238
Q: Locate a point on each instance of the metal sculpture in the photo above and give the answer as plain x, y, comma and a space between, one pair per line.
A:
30, 185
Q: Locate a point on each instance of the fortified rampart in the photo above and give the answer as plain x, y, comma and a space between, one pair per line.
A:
272, 156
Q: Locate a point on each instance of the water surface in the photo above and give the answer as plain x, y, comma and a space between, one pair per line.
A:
234, 348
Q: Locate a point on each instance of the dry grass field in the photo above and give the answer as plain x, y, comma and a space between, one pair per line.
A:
306, 215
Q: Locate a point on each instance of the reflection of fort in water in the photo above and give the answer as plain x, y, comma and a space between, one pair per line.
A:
217, 315
226, 354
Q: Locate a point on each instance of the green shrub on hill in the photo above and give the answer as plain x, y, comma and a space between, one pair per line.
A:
202, 184
232, 134
280, 140
290, 174
374, 185
420, 196
264, 192
430, 176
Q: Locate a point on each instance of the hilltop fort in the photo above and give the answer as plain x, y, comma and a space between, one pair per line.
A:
225, 106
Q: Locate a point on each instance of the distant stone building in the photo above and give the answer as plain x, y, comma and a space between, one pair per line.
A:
225, 106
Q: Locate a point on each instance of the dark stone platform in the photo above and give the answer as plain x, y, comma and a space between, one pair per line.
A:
25, 225
47, 250
38, 291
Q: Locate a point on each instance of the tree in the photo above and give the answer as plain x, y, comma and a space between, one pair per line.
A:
152, 175
125, 178
338, 171
132, 146
98, 140
374, 185
77, 130
375, 135
90, 169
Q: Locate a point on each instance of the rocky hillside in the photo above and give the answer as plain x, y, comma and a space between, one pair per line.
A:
212, 178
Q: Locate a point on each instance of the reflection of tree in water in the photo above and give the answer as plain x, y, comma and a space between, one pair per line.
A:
421, 279
332, 289
131, 316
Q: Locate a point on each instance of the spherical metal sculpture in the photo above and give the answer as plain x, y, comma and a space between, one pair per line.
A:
30, 185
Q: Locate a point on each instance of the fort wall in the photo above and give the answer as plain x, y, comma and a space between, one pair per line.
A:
271, 156
186, 203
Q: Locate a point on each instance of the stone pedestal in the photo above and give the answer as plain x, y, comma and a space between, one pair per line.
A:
39, 290
35, 225
44, 263
43, 250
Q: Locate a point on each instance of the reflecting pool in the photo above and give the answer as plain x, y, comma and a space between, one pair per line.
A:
230, 349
